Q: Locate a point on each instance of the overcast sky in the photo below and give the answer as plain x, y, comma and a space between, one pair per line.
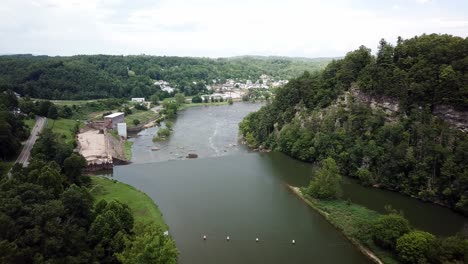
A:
221, 28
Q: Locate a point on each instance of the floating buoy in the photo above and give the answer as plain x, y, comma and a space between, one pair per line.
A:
227, 238
204, 237
294, 241
256, 240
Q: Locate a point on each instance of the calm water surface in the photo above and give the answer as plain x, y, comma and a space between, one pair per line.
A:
230, 191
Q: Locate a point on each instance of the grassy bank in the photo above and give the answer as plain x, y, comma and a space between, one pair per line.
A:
190, 105
143, 116
63, 127
352, 220
143, 208
128, 149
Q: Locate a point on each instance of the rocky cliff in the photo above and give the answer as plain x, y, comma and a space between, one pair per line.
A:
455, 118
458, 119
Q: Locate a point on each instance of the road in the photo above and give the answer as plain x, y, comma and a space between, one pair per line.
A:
156, 109
23, 158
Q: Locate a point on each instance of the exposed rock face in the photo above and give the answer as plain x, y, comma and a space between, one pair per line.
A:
455, 118
192, 156
458, 119
388, 104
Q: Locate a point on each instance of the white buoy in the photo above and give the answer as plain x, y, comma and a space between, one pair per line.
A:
256, 240
204, 237
294, 241
227, 238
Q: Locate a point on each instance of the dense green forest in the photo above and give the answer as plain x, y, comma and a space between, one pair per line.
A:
315, 117
103, 76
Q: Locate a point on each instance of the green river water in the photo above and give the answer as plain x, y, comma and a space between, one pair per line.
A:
231, 191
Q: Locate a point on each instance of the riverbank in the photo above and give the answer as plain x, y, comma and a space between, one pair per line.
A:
128, 150
348, 218
144, 210
190, 105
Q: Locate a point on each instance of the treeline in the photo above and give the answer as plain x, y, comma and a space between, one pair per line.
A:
12, 129
103, 76
47, 215
424, 70
394, 233
412, 152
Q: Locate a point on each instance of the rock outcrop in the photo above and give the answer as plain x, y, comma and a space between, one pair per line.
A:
192, 156
458, 119
388, 104
455, 118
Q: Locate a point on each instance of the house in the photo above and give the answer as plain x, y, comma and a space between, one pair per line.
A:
139, 100
111, 121
265, 78
167, 89
164, 86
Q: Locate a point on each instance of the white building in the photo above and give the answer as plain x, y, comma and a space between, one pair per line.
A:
139, 100
112, 120
167, 89
122, 129
265, 78
164, 86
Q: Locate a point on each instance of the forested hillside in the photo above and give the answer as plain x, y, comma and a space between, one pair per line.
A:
408, 150
102, 76
47, 215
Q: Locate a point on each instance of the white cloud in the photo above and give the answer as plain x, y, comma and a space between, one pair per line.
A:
209, 28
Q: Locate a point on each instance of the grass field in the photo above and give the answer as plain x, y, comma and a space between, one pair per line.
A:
63, 127
30, 123
143, 116
143, 208
66, 102
71, 102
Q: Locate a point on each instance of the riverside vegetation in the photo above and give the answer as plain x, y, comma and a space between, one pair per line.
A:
317, 118
390, 238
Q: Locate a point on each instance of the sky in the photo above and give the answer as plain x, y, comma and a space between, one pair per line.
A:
221, 28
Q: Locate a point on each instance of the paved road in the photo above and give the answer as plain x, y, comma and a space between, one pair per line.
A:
23, 158
157, 108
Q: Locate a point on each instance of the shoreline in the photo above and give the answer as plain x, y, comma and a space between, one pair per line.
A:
364, 250
144, 209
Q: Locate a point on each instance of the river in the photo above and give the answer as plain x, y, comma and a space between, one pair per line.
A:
231, 191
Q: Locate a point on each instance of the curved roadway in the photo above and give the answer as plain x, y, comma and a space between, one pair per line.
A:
23, 158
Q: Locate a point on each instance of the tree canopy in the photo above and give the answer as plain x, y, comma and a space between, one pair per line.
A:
104, 76
316, 116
